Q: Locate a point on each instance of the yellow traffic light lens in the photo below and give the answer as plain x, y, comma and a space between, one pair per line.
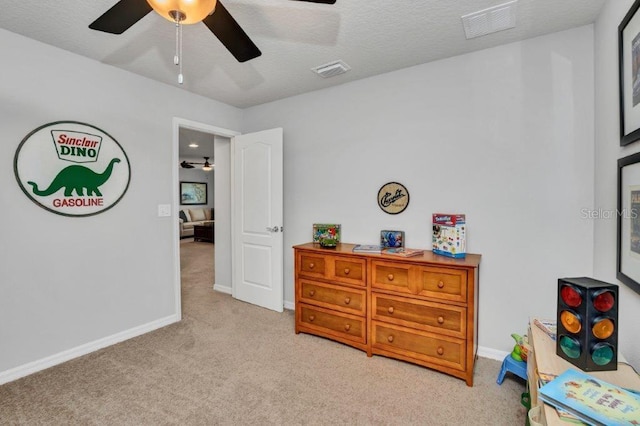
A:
603, 328
570, 346
602, 354
570, 296
571, 322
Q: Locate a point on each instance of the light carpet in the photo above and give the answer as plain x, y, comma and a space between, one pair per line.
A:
232, 363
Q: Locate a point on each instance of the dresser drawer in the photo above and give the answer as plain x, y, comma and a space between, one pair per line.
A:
442, 283
333, 323
348, 270
421, 345
330, 296
311, 265
391, 276
428, 316
339, 269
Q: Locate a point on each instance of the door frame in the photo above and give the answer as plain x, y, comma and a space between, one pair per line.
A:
175, 204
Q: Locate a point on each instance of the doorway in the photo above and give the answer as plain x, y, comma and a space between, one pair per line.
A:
219, 195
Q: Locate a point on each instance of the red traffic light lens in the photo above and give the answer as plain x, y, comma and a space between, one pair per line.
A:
571, 322
570, 346
602, 328
604, 301
570, 296
602, 354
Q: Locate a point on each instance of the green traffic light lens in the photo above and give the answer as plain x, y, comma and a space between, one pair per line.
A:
602, 354
570, 296
570, 346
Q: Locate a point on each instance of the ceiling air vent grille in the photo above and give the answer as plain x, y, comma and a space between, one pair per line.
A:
331, 69
491, 20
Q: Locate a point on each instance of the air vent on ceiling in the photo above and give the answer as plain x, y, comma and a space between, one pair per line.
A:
331, 69
491, 20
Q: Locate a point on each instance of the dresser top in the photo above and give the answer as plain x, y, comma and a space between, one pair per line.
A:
470, 260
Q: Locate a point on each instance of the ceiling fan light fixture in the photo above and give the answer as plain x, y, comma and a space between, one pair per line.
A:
183, 11
207, 166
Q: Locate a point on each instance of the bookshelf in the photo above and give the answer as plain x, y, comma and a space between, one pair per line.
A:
543, 359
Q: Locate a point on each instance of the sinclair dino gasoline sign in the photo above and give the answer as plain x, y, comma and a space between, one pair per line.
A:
72, 168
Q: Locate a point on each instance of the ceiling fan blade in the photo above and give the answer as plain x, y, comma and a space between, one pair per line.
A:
320, 1
186, 165
232, 36
121, 16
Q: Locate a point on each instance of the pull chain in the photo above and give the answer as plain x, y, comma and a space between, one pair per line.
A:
177, 59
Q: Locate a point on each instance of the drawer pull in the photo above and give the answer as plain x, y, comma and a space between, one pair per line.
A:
346, 271
390, 277
312, 317
312, 293
347, 300
390, 310
312, 265
440, 284
347, 327
440, 320
440, 350
390, 338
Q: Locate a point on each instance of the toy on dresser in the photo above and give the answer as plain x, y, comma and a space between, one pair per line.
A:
449, 235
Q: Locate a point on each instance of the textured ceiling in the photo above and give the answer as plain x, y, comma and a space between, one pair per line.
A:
371, 36
204, 141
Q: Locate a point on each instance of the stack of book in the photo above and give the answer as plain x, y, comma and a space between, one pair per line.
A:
367, 248
402, 252
548, 326
580, 396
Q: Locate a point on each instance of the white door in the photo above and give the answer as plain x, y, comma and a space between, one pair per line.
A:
256, 203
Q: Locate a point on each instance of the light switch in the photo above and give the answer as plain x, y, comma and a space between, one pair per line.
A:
164, 210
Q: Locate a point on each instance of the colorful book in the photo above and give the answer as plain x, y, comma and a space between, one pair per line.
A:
548, 326
367, 248
402, 252
592, 400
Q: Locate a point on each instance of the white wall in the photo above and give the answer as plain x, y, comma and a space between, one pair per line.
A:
222, 150
504, 135
608, 151
69, 285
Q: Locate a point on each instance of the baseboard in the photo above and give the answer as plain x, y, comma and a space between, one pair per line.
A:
64, 356
491, 353
289, 305
222, 288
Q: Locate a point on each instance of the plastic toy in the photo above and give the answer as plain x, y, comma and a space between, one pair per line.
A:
521, 348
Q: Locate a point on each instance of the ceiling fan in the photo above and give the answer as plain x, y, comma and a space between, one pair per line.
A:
206, 166
125, 13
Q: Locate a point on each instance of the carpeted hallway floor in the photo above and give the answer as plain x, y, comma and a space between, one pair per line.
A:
231, 363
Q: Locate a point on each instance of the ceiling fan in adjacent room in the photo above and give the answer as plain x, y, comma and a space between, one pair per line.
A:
206, 166
125, 13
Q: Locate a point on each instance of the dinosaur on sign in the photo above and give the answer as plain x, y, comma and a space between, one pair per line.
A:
76, 178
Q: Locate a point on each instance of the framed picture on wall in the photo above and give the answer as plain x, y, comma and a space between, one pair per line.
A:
628, 213
629, 78
193, 193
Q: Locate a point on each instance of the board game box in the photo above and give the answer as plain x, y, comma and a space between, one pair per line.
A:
449, 235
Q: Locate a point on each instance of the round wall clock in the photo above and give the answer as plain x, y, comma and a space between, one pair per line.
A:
393, 198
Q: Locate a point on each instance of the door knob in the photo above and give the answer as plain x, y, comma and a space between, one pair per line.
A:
272, 229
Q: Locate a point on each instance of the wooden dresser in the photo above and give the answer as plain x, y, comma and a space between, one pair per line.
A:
420, 309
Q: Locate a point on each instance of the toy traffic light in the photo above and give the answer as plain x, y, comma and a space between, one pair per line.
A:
588, 323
